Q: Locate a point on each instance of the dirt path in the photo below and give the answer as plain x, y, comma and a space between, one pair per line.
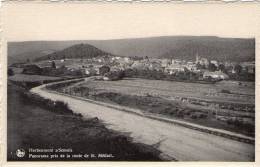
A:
175, 141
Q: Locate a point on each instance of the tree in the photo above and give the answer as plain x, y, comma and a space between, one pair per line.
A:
63, 67
10, 72
146, 58
103, 70
212, 67
198, 65
222, 67
115, 75
238, 68
53, 65
81, 59
130, 72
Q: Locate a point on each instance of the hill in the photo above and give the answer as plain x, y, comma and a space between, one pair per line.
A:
220, 49
234, 49
24, 57
21, 51
75, 51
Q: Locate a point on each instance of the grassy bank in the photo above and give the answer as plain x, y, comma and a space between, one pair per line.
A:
34, 122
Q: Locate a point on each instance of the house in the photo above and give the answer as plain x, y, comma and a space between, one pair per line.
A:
192, 67
204, 61
139, 65
218, 75
121, 66
251, 69
90, 71
175, 68
248, 67
214, 62
165, 62
126, 59
176, 61
155, 66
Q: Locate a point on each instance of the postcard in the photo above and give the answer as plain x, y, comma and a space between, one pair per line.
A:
153, 83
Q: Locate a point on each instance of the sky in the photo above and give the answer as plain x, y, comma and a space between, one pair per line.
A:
77, 21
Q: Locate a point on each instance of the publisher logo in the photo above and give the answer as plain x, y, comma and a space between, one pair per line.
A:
20, 153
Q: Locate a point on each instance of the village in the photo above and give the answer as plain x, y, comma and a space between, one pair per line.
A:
110, 67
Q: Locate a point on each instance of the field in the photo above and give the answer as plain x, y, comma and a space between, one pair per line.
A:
32, 78
71, 63
243, 93
225, 105
29, 81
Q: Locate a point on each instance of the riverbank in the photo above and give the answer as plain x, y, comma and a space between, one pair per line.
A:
32, 126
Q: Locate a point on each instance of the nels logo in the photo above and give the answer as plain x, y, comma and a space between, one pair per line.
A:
20, 153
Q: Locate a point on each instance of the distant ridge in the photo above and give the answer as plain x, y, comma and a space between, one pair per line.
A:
76, 51
221, 49
183, 47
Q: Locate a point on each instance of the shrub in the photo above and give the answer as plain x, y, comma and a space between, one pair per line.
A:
62, 107
225, 91
194, 116
180, 114
187, 112
10, 72
115, 75
202, 115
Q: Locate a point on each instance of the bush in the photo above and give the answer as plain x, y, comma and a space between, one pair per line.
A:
115, 75
202, 115
62, 107
10, 72
187, 112
104, 69
180, 114
225, 91
194, 116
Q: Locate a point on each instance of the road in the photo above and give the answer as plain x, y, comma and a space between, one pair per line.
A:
175, 141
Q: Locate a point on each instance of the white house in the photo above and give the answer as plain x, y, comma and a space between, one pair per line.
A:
174, 68
215, 62
215, 75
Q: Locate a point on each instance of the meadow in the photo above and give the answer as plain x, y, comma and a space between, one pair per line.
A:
224, 91
32, 78
225, 105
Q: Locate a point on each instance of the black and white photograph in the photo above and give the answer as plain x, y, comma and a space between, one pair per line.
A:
104, 87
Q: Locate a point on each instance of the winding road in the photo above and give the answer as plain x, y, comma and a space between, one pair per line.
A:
175, 141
